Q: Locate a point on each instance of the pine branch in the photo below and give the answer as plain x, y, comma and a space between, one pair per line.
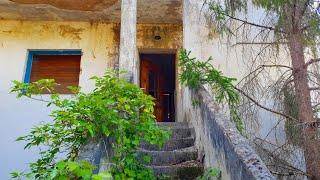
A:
314, 88
312, 61
264, 66
315, 106
254, 24
258, 43
263, 107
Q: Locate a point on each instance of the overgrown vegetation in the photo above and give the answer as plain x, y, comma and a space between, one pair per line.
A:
195, 73
211, 173
68, 170
115, 109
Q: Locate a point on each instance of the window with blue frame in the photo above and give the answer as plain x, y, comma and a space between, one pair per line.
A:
61, 65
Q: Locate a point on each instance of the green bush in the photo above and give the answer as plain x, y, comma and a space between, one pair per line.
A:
115, 109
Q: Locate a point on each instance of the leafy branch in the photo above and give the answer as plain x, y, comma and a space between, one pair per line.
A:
115, 109
196, 73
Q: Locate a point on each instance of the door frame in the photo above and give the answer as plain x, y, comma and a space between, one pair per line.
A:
174, 52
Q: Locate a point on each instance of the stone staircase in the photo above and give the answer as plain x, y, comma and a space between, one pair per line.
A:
177, 159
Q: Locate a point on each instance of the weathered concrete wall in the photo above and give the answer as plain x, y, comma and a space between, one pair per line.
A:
99, 43
170, 34
149, 11
220, 143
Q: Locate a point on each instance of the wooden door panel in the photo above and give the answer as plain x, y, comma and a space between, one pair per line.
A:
151, 82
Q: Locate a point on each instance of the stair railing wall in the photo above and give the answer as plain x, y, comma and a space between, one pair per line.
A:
220, 144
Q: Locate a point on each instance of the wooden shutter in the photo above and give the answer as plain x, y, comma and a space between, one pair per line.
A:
65, 69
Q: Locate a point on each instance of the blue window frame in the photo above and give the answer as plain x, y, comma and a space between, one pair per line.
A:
32, 53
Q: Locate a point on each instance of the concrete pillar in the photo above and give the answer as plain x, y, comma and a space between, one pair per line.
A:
191, 42
128, 59
192, 25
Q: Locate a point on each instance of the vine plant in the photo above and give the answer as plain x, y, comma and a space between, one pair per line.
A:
115, 109
196, 73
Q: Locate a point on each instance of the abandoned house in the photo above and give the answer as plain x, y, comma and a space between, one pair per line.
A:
73, 40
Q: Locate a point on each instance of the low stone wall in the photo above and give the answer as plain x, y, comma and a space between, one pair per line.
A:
98, 152
220, 144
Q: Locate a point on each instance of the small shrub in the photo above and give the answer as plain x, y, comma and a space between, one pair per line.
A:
115, 109
211, 173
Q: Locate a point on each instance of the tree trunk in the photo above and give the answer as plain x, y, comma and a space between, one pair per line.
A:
302, 92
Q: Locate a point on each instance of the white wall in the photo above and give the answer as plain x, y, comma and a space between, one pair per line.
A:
233, 61
18, 116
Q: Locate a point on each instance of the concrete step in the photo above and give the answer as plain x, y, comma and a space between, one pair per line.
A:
170, 157
171, 144
177, 158
184, 171
179, 129
173, 124
179, 133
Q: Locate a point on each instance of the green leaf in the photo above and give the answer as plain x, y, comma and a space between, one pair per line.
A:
147, 159
214, 172
102, 176
72, 166
15, 174
21, 138
61, 165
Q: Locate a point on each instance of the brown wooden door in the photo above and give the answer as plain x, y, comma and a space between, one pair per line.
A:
151, 81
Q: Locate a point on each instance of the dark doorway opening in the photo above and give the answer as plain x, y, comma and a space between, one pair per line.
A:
157, 78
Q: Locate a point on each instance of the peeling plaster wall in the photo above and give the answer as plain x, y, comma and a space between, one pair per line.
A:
99, 43
171, 36
149, 11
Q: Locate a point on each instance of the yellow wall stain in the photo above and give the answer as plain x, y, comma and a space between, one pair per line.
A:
170, 34
99, 42
68, 31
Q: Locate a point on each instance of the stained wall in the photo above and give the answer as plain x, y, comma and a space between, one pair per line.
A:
99, 43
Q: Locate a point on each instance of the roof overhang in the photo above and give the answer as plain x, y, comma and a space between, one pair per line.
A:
149, 11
